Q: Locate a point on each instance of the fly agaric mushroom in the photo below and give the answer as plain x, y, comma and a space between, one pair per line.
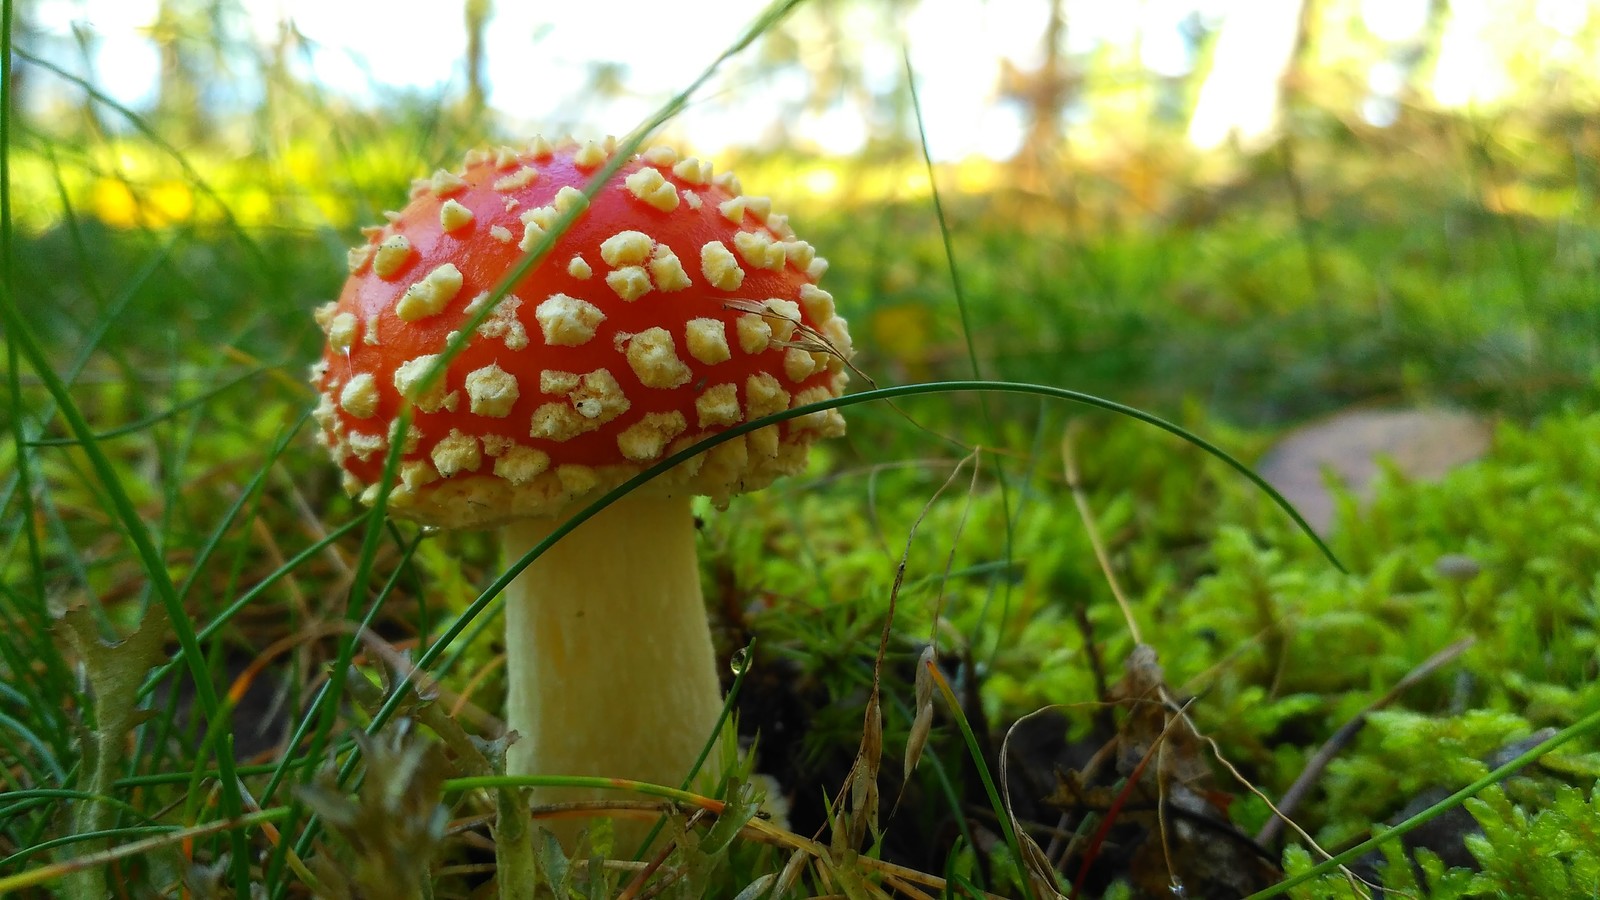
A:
674, 307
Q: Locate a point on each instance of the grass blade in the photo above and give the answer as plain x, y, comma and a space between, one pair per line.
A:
1584, 726
154, 566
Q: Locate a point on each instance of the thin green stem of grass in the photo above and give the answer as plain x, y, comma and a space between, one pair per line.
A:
1584, 726
15, 726
460, 648
7, 121
52, 684
154, 565
47, 685
22, 478
967, 333
21, 799
89, 346
947, 788
168, 835
592, 782
1003, 815
174, 455
45, 695
165, 415
154, 779
706, 748
221, 620
326, 705
250, 491
203, 555
73, 223
150, 134
86, 837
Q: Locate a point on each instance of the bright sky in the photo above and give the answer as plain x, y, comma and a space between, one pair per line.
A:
540, 57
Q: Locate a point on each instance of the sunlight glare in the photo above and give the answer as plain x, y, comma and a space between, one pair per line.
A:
1239, 99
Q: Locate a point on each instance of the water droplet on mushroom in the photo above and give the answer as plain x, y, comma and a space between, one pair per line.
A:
428, 531
740, 660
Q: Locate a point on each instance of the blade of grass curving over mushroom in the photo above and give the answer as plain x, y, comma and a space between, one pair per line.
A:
428, 657
441, 644
625, 149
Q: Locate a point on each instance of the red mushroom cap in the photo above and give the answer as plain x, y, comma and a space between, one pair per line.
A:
673, 308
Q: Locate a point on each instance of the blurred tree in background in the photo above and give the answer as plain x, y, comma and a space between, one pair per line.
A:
1076, 75
1314, 143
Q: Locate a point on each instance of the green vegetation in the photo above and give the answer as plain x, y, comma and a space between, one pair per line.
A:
1104, 649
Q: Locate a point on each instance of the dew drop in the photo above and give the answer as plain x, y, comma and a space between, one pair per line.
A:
739, 662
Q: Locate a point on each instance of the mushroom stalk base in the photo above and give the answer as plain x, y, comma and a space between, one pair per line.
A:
609, 659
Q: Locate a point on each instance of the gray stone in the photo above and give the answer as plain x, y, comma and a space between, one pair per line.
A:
1423, 444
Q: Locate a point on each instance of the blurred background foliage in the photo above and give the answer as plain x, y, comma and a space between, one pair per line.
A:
1274, 207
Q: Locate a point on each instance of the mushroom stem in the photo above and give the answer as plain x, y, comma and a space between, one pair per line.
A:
608, 654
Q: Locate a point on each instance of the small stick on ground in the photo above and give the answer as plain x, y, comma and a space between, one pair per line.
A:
1097, 669
1341, 739
1069, 465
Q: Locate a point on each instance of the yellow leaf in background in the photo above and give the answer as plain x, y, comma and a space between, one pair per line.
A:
252, 206
305, 163
168, 203
114, 204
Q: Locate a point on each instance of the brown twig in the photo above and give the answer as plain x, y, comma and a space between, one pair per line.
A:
1097, 668
1115, 810
1069, 464
1341, 739
643, 875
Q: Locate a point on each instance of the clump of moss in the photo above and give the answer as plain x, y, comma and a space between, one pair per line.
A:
1277, 647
